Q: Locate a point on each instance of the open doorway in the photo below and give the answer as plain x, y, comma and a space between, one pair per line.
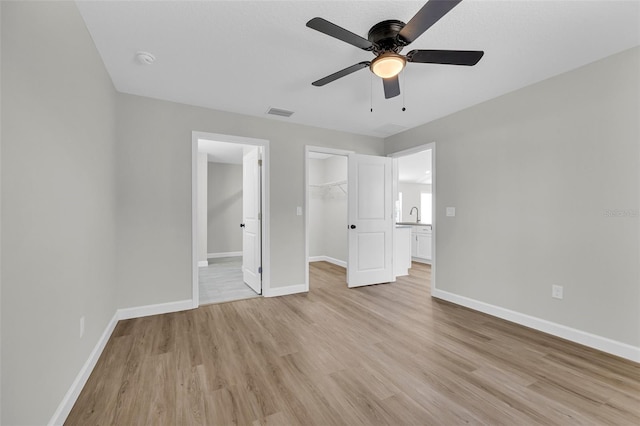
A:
367, 195
326, 207
229, 232
414, 196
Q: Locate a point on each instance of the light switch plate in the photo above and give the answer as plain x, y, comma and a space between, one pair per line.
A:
557, 291
299, 211
451, 211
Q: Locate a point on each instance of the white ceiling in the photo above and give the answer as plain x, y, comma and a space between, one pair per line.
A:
415, 168
247, 56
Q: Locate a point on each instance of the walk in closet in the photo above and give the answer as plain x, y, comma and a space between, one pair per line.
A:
328, 208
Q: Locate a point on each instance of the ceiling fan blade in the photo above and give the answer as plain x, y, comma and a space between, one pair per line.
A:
391, 87
340, 33
341, 73
448, 57
430, 13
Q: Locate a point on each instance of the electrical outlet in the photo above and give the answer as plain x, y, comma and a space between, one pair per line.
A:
556, 291
81, 326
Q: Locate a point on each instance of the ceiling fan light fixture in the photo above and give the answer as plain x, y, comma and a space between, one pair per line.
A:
388, 65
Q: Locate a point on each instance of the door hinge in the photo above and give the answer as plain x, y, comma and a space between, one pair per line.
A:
260, 216
260, 162
260, 269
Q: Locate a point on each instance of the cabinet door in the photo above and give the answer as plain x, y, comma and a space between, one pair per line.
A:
423, 249
414, 245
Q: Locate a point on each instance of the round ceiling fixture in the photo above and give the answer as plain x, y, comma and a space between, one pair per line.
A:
145, 58
388, 64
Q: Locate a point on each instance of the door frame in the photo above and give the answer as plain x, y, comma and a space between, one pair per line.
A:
321, 150
265, 226
434, 228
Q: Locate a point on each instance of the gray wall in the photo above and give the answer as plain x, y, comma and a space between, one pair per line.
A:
58, 216
225, 208
532, 175
154, 192
0, 213
201, 205
335, 210
316, 177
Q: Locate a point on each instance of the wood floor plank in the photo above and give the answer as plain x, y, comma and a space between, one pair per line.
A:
383, 354
190, 406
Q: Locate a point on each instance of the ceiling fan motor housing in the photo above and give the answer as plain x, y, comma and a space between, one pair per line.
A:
384, 36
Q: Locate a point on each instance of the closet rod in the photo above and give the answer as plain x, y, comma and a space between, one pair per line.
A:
338, 183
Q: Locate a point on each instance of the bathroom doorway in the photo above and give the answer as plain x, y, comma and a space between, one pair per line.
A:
229, 219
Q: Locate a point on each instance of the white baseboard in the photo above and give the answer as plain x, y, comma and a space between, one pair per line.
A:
72, 394
202, 263
224, 254
420, 260
604, 344
161, 308
283, 291
328, 259
70, 398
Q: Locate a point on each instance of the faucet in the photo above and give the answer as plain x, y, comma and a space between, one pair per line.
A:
417, 213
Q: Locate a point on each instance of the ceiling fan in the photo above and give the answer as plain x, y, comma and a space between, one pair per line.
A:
387, 38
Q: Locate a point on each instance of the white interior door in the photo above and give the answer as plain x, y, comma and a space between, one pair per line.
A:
370, 220
251, 219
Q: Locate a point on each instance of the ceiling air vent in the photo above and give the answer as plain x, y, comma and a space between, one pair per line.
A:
279, 112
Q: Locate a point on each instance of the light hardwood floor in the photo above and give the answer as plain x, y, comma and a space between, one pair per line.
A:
384, 354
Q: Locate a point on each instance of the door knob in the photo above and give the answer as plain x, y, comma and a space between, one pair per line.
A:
242, 225
352, 227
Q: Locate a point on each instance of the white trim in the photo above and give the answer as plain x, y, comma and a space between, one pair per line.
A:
195, 289
412, 150
73, 393
420, 260
160, 308
434, 227
307, 150
224, 254
333, 260
284, 291
202, 263
604, 344
266, 205
63, 410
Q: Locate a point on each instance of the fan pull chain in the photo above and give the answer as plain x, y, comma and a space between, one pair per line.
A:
403, 91
371, 91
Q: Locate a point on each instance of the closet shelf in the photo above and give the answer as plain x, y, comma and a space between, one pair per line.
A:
339, 184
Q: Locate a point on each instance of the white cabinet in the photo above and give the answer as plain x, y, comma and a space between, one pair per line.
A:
421, 243
423, 249
402, 258
414, 244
